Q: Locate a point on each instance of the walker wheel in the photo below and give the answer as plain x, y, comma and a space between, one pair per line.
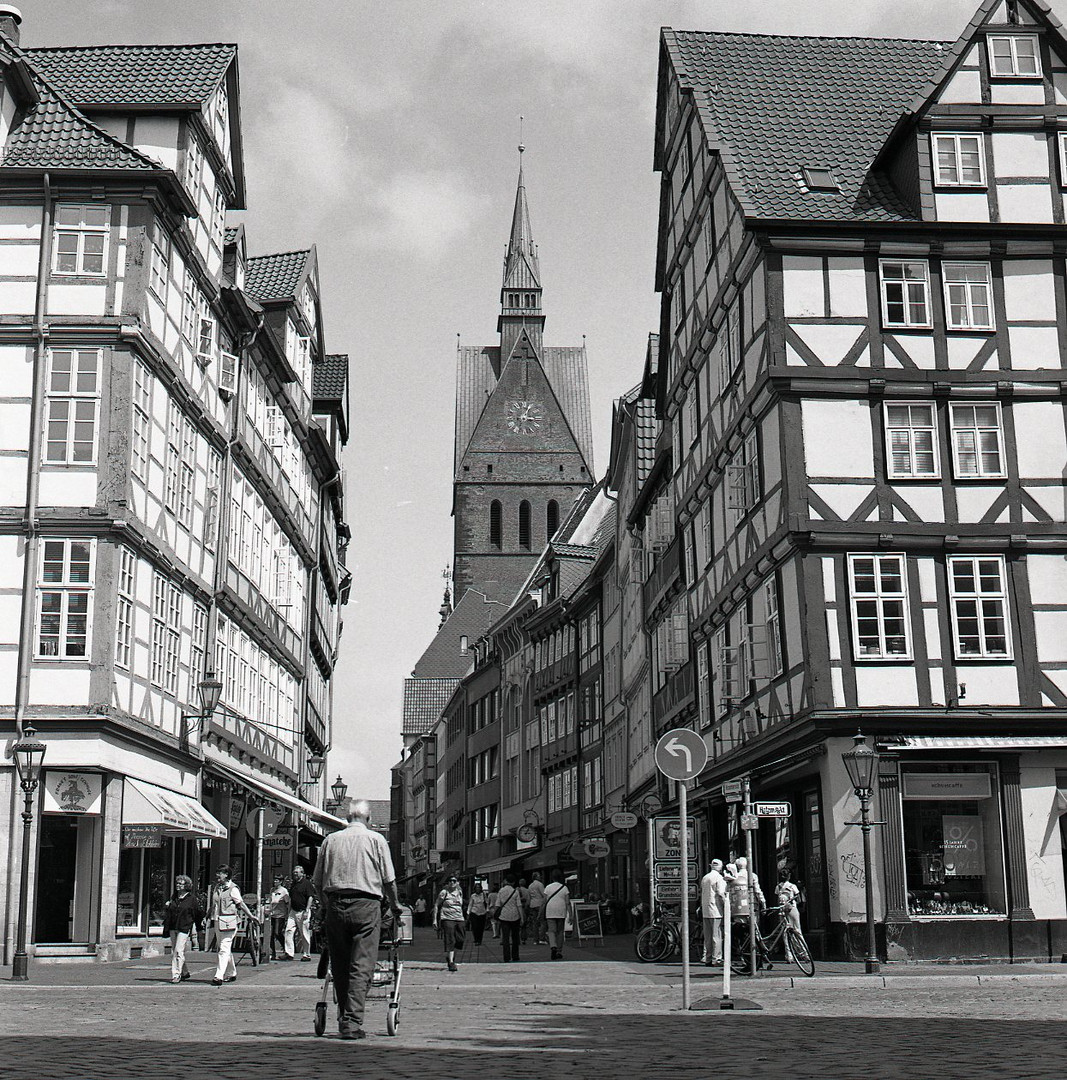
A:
392, 1018
320, 1018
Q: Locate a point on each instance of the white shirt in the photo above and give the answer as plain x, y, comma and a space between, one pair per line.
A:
556, 898
712, 895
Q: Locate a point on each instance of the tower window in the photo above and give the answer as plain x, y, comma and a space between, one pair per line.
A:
496, 532
524, 525
552, 517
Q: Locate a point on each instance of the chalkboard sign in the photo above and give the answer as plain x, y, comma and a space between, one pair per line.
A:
587, 922
142, 836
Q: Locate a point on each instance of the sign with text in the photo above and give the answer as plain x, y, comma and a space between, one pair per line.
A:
772, 809
673, 871
142, 836
671, 891
72, 792
278, 842
623, 819
750, 822
667, 833
936, 785
732, 791
587, 921
963, 840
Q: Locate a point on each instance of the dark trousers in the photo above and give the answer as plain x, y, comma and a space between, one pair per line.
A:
277, 935
477, 924
352, 928
509, 931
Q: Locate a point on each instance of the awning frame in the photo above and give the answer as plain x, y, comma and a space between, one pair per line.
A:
278, 795
176, 813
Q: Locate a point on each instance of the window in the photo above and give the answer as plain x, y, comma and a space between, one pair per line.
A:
194, 164
774, 626
1013, 54
552, 518
524, 525
820, 179
730, 353
73, 386
979, 606
958, 160
63, 592
127, 591
976, 440
1062, 143
879, 596
968, 296
205, 346
187, 473
905, 293
911, 440
141, 395
496, 532
159, 270
190, 310
743, 478
81, 240
704, 684
689, 554
166, 633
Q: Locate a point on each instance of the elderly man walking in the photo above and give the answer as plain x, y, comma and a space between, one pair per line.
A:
353, 874
712, 897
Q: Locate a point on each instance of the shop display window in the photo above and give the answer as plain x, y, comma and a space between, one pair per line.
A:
953, 849
146, 880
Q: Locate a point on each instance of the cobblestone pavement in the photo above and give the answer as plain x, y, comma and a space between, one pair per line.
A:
590, 1018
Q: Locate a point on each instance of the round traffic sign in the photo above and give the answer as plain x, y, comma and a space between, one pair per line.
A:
681, 754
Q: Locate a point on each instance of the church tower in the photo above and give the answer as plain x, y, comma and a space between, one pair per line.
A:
524, 448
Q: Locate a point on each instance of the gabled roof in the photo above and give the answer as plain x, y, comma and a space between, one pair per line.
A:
444, 658
113, 76
329, 377
231, 233
424, 701
774, 105
278, 276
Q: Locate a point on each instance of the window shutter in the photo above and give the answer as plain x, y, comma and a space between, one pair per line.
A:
228, 373
275, 427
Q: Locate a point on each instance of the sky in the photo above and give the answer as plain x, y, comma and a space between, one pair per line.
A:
385, 132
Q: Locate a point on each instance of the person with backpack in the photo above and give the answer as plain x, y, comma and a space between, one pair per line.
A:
510, 913
557, 897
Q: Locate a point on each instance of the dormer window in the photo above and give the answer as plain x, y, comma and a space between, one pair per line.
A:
820, 179
958, 160
1014, 56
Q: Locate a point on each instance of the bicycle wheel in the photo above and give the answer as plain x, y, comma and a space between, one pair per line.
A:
652, 944
798, 951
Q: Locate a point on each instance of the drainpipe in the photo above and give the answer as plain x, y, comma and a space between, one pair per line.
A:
30, 524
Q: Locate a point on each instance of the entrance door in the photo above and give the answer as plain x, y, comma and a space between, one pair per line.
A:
56, 875
814, 870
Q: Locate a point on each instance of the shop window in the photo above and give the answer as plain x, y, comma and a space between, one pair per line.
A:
953, 851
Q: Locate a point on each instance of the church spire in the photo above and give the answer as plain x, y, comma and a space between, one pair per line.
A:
520, 294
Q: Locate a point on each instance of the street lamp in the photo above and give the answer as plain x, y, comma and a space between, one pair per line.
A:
28, 753
861, 762
315, 764
339, 789
209, 691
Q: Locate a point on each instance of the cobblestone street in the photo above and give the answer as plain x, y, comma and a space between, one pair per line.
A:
594, 1017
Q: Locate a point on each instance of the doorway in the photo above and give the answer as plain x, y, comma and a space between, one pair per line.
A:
67, 868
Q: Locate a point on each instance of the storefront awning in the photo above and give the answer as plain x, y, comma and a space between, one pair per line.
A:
179, 815
496, 864
232, 771
980, 742
546, 856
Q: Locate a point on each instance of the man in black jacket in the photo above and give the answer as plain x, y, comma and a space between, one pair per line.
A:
182, 912
298, 928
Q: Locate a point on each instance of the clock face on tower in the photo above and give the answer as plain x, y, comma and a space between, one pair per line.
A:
525, 417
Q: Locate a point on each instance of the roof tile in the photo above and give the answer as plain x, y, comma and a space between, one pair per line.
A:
329, 376
275, 277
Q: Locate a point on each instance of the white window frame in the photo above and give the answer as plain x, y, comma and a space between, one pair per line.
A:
1013, 39
166, 634
955, 140
980, 598
884, 282
65, 589
880, 598
971, 293
911, 429
1061, 140
976, 431
71, 406
207, 341
125, 610
141, 401
159, 256
772, 617
80, 231
743, 479
194, 165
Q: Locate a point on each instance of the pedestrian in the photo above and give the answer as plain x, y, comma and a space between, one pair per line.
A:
524, 896
301, 905
477, 912
420, 911
448, 919
354, 873
279, 918
787, 893
738, 888
535, 918
712, 903
491, 900
183, 912
557, 896
226, 902
510, 913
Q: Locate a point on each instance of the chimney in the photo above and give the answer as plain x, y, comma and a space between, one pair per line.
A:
10, 18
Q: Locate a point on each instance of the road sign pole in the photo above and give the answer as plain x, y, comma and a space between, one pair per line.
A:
651, 869
727, 943
751, 883
683, 813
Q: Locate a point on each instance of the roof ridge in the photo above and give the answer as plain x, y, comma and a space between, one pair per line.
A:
278, 254
134, 45
812, 37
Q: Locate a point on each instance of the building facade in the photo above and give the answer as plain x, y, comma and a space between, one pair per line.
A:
170, 499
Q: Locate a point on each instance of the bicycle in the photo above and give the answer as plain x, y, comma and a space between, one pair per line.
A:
663, 937
796, 948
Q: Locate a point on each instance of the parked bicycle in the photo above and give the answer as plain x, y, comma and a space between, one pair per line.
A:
795, 947
662, 938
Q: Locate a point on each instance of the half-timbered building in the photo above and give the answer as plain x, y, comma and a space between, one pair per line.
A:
863, 345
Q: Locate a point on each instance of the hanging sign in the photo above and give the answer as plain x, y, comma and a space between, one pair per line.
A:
623, 819
72, 792
237, 812
597, 848
278, 842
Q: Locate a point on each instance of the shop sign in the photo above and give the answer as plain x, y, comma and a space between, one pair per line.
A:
938, 785
620, 843
673, 871
237, 812
668, 837
142, 836
672, 891
963, 841
597, 848
623, 819
72, 792
278, 842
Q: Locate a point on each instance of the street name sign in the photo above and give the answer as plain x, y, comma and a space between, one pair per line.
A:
681, 754
772, 809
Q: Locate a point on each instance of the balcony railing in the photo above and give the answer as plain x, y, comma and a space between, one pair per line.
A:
678, 693
666, 577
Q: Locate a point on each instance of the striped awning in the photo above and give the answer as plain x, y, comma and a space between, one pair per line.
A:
981, 742
179, 815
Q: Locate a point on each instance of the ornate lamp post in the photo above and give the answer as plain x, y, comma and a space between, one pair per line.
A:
315, 764
210, 693
338, 789
861, 762
28, 753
